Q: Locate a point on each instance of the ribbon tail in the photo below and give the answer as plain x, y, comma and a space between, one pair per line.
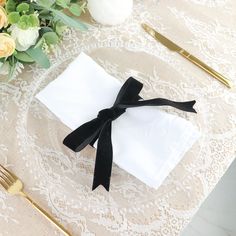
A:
184, 106
84, 135
104, 158
189, 106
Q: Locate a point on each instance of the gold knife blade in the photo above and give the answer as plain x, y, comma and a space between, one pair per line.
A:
174, 47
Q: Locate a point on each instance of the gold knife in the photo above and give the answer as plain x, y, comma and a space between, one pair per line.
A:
174, 47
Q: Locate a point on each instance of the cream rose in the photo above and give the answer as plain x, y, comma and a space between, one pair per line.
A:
24, 38
7, 45
2, 2
3, 18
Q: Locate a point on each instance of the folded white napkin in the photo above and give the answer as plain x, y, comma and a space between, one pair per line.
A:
147, 142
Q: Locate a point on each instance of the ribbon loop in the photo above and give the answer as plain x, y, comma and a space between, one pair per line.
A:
100, 128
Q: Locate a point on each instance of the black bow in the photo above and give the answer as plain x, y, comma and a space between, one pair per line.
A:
100, 128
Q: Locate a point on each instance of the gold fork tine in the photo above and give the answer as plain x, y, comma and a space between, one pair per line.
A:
14, 186
8, 173
3, 183
7, 176
7, 181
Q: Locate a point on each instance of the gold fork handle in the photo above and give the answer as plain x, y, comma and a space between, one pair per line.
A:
46, 214
206, 68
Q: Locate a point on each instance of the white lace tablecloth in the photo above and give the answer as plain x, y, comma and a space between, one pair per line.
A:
59, 180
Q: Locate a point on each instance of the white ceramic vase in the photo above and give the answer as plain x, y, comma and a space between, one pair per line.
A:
110, 12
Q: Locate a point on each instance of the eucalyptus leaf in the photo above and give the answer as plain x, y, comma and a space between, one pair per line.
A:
51, 38
24, 57
39, 43
44, 30
37, 6
46, 3
46, 17
75, 9
39, 56
67, 20
44, 12
63, 3
60, 28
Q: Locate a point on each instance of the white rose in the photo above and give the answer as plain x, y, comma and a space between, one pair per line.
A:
24, 38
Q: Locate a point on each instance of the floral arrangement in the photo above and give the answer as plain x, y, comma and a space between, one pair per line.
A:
29, 29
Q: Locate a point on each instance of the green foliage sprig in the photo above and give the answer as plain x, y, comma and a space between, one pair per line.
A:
48, 19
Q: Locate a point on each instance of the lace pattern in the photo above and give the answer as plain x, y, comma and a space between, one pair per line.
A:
61, 181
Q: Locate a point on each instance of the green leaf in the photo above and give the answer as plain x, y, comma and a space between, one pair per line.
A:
31, 9
44, 12
24, 22
67, 20
51, 38
63, 3
60, 28
39, 43
23, 57
10, 6
44, 30
37, 6
23, 7
13, 17
75, 9
33, 20
46, 17
46, 3
39, 56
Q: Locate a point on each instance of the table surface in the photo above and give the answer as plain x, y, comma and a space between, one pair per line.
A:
60, 181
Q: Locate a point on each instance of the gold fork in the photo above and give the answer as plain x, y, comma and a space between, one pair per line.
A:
14, 186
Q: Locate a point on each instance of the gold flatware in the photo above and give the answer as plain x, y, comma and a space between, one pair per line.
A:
13, 185
174, 47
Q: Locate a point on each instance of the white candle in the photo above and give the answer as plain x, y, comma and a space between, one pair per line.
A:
110, 12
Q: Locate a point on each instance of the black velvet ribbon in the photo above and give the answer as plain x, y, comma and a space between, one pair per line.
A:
100, 128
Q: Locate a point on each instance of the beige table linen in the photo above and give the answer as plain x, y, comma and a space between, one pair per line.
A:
31, 136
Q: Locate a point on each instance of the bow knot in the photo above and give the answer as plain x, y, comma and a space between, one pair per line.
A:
110, 113
100, 128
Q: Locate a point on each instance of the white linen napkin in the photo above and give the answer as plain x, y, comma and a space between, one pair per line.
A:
147, 142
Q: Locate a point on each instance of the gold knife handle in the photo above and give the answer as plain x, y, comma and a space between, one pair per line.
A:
206, 68
46, 214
